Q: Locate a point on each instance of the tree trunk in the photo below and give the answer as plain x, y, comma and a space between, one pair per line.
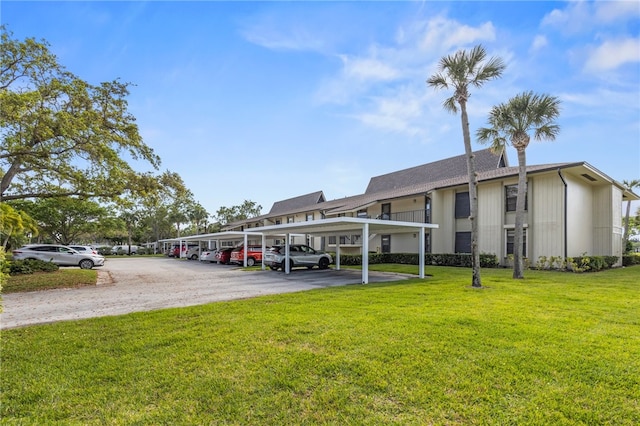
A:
625, 237
520, 206
473, 197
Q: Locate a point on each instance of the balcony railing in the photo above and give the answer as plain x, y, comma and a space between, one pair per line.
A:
417, 216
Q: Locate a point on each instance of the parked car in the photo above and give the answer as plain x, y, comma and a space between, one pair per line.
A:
299, 255
208, 255
193, 252
254, 255
58, 254
85, 249
174, 251
223, 255
124, 249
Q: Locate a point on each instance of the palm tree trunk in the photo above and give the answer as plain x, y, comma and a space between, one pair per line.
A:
520, 205
625, 237
473, 197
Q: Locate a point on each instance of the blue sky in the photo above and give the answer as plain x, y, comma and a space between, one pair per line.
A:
264, 101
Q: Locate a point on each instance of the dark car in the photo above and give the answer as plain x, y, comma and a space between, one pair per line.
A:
223, 255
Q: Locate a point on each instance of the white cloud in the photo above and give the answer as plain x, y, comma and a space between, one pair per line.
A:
445, 33
368, 69
613, 11
576, 17
297, 39
613, 54
538, 43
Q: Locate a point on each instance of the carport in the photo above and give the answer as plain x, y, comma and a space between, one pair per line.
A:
332, 227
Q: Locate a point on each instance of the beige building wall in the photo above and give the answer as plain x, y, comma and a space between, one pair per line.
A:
490, 218
546, 213
579, 217
443, 213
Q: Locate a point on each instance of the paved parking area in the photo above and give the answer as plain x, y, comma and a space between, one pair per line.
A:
135, 284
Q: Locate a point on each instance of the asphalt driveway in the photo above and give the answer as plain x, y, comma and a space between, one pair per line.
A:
135, 284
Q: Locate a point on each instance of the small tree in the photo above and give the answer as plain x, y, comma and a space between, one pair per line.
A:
511, 123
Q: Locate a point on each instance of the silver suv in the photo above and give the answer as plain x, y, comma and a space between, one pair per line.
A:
299, 255
60, 255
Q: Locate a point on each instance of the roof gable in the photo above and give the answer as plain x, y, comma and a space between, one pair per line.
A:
448, 168
300, 202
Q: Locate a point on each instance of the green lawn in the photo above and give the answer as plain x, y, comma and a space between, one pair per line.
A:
556, 348
62, 278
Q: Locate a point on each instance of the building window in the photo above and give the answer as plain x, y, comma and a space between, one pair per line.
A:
511, 198
278, 222
386, 212
463, 242
511, 235
427, 210
463, 208
309, 217
289, 219
362, 213
385, 243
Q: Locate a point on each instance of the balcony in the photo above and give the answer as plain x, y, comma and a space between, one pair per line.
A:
416, 216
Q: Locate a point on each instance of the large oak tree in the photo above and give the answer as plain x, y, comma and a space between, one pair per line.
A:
61, 135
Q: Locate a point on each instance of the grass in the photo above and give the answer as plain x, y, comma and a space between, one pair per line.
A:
62, 278
555, 348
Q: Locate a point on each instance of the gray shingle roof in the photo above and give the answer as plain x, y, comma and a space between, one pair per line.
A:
300, 202
438, 170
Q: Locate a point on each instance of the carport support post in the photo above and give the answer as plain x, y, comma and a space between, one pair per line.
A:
287, 267
337, 252
365, 253
421, 251
264, 250
245, 250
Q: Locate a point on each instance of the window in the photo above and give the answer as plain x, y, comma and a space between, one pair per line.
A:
278, 222
385, 243
463, 208
362, 213
511, 197
309, 217
289, 219
427, 210
463, 242
386, 212
511, 235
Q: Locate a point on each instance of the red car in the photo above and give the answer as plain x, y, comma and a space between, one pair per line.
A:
223, 256
254, 255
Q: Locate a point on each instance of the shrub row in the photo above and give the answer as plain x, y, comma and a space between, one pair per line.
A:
631, 259
29, 266
464, 260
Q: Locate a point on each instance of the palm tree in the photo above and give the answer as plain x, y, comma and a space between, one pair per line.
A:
459, 71
511, 123
629, 185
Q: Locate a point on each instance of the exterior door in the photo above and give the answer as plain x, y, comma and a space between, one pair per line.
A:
385, 243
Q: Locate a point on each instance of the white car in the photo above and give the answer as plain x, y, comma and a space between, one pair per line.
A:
58, 254
124, 249
299, 255
208, 255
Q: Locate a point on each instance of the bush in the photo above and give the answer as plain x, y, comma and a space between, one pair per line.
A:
461, 260
29, 266
631, 259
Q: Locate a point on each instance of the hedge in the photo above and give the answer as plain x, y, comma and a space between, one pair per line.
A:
463, 260
29, 266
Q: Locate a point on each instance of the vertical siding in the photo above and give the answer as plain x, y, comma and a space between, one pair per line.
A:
579, 217
442, 239
490, 218
546, 212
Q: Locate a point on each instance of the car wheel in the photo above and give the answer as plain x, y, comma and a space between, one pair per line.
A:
251, 261
194, 257
273, 268
86, 264
323, 263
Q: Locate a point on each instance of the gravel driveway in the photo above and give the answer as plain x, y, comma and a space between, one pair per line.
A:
135, 284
